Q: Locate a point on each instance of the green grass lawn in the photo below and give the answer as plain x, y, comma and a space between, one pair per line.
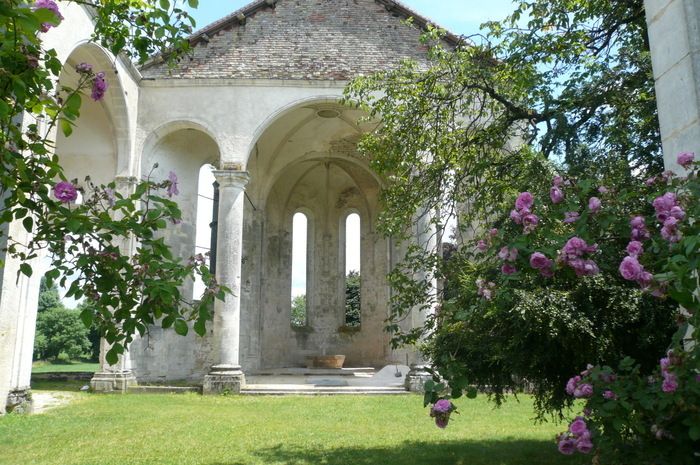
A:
191, 429
44, 366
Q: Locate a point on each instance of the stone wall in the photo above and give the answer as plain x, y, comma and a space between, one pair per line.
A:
302, 39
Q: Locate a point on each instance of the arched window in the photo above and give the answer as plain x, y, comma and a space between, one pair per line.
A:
353, 254
205, 211
300, 226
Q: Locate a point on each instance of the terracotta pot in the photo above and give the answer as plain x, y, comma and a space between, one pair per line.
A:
325, 361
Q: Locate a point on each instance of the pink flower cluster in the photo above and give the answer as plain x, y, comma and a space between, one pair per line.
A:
669, 213
639, 229
539, 261
631, 269
594, 205
685, 159
555, 193
484, 244
670, 383
577, 388
573, 255
99, 87
577, 438
571, 217
172, 184
509, 255
523, 212
48, 5
441, 411
485, 289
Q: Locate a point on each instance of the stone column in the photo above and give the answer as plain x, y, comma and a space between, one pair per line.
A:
227, 376
674, 37
426, 236
118, 377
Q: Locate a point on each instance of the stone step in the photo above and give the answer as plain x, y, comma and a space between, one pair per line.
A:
165, 389
362, 371
296, 390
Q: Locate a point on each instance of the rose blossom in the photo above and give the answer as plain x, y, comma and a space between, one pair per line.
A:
584, 445
65, 192
530, 222
583, 391
603, 190
172, 187
567, 446
635, 248
610, 395
578, 426
493, 232
571, 217
594, 204
509, 255
556, 195
670, 383
524, 201
685, 159
516, 217
482, 245
49, 5
99, 87
630, 268
538, 261
442, 406
571, 385
557, 181
508, 269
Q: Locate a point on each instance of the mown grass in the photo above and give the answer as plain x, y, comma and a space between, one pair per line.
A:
191, 429
45, 366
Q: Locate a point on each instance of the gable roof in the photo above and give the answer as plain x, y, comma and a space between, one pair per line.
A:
302, 40
241, 15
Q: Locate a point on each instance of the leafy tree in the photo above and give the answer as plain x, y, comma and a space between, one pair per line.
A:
61, 332
505, 112
299, 311
352, 299
48, 297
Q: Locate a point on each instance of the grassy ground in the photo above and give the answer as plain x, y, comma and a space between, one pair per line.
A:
44, 366
191, 429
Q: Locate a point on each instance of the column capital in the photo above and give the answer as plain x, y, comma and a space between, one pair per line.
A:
231, 178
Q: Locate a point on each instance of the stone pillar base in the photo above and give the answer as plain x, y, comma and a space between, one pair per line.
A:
416, 378
112, 381
224, 379
19, 401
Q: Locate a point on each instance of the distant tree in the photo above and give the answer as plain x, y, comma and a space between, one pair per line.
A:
299, 310
61, 332
352, 299
48, 297
93, 333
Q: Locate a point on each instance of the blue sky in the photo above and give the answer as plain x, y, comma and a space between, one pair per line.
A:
459, 16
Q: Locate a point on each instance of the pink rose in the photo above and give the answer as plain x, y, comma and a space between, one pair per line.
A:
571, 217
594, 204
65, 192
508, 269
635, 248
578, 426
556, 195
538, 261
630, 268
524, 201
567, 446
685, 159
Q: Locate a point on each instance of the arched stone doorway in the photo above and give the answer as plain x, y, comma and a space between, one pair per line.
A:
306, 161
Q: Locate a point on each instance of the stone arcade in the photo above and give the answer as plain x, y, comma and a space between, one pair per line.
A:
258, 100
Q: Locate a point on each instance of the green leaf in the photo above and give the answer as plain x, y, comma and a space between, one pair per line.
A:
87, 317
181, 327
193, 3
28, 223
694, 433
26, 270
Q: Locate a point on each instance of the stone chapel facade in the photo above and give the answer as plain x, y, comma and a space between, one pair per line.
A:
257, 98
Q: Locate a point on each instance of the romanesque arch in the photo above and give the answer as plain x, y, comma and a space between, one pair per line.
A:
306, 160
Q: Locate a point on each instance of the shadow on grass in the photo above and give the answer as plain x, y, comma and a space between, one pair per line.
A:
486, 452
58, 385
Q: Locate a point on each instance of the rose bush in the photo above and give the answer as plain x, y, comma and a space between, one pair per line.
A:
648, 237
